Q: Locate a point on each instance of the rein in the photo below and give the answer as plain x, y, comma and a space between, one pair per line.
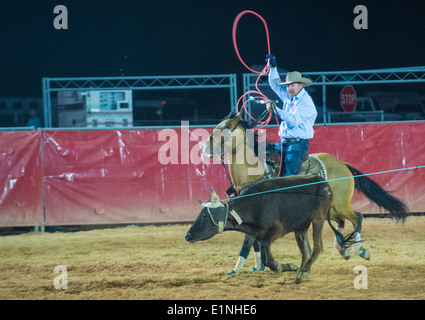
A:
232, 186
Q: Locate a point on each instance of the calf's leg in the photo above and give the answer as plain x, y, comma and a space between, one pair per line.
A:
317, 249
267, 257
304, 246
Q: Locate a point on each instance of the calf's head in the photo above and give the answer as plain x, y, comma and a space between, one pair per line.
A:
210, 221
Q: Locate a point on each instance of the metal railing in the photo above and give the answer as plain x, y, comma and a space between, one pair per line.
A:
334, 78
50, 85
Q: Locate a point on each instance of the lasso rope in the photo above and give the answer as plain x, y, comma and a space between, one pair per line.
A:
235, 26
259, 123
257, 94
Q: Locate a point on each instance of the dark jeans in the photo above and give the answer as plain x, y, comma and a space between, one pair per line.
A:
293, 154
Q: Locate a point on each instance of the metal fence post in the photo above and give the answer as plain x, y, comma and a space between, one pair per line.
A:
324, 98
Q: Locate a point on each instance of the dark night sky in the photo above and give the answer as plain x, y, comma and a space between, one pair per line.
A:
114, 38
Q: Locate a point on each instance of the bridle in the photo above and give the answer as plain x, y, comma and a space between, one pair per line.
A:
232, 186
228, 136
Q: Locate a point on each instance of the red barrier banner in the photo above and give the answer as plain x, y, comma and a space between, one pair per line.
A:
20, 178
157, 175
116, 176
373, 148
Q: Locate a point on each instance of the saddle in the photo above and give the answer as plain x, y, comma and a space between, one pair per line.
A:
313, 165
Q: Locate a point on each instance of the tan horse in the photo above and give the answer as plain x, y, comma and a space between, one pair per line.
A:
233, 138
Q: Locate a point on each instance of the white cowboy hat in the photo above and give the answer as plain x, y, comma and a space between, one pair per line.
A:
295, 76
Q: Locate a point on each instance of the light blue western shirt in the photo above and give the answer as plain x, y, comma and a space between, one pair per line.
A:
298, 113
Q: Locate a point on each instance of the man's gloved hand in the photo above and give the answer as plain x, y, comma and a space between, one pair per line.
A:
272, 60
270, 106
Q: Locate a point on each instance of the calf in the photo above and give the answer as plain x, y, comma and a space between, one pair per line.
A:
267, 210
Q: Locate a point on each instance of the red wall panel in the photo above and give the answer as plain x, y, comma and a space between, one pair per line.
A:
121, 176
380, 147
20, 178
115, 176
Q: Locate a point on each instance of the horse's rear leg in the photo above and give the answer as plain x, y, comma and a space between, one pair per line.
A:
357, 247
355, 218
341, 223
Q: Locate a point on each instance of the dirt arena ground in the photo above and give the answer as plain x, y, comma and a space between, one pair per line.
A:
155, 262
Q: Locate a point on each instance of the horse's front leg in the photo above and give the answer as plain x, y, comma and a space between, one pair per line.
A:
259, 266
243, 254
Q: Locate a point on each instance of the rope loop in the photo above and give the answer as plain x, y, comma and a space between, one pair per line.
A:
255, 94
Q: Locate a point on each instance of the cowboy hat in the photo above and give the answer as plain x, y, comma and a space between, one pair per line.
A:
295, 76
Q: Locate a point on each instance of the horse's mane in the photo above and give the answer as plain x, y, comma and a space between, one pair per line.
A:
251, 124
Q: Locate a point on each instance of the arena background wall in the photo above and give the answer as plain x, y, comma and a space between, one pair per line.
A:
63, 177
20, 178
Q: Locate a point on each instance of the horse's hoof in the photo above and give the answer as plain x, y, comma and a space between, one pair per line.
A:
296, 281
289, 267
345, 253
262, 268
364, 254
232, 272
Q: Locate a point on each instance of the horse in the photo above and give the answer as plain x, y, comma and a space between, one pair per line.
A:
269, 210
232, 137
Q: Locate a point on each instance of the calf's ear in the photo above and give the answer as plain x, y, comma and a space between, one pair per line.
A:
202, 203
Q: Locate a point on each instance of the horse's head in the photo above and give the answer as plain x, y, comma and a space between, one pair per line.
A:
226, 136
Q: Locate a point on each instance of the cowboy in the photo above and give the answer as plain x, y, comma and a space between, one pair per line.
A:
298, 115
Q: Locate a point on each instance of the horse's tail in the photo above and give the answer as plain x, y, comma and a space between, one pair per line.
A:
373, 191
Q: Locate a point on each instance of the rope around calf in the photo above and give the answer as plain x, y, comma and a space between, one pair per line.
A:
318, 182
